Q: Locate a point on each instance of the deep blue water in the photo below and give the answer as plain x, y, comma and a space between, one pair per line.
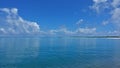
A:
59, 52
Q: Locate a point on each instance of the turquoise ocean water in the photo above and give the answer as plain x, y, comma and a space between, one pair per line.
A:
59, 52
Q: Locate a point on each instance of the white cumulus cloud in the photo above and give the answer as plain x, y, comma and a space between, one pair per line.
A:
12, 23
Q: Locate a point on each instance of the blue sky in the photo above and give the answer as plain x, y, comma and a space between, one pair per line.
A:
66, 16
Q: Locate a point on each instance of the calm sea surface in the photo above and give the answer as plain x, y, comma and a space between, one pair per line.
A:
59, 52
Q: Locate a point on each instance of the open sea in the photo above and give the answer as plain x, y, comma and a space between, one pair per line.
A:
59, 52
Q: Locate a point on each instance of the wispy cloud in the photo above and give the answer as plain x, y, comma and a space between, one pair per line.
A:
100, 5
114, 11
115, 14
115, 3
79, 22
105, 22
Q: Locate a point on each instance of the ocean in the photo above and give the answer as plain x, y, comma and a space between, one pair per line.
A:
59, 52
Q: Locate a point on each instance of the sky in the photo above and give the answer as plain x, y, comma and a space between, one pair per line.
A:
60, 17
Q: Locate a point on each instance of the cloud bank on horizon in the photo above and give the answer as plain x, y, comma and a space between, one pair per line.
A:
13, 24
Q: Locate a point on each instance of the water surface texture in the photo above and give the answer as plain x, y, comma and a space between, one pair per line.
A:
59, 52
